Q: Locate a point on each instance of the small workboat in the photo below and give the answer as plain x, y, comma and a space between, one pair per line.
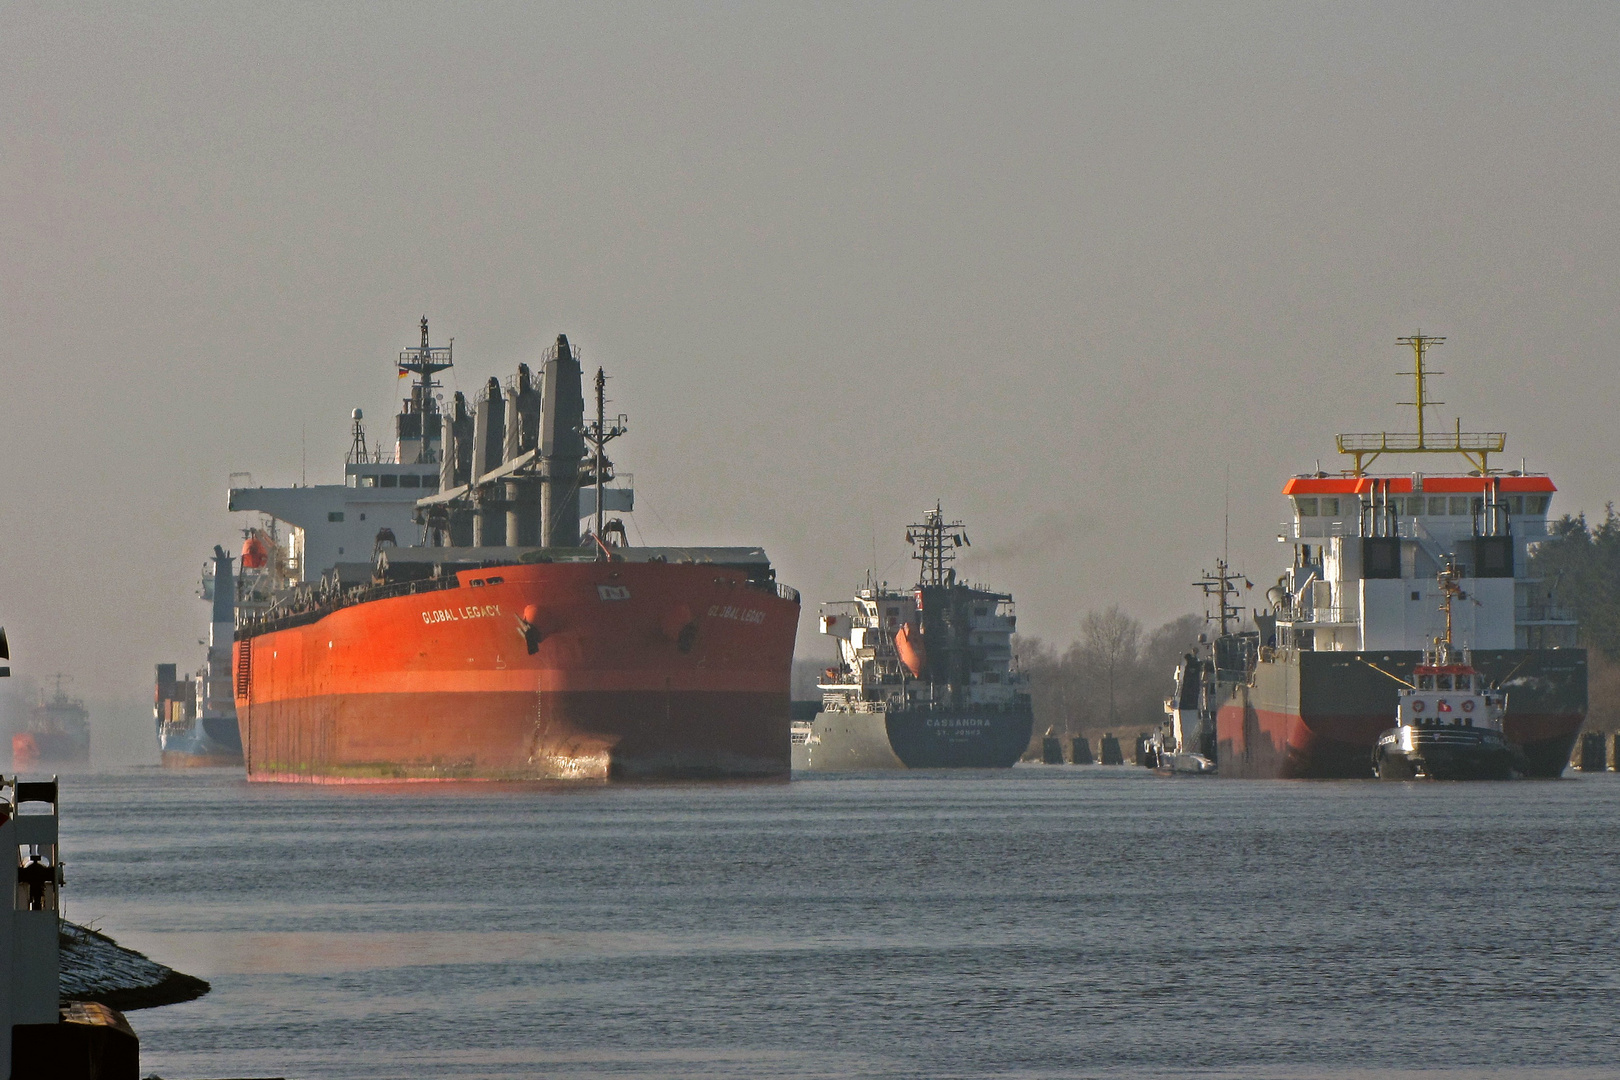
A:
1448, 722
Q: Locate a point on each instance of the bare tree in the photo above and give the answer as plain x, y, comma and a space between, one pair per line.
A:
1111, 643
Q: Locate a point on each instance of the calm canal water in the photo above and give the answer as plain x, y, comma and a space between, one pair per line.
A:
1043, 922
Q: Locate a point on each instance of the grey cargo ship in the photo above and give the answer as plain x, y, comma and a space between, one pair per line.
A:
925, 677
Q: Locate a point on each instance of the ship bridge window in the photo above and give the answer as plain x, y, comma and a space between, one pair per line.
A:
388, 480
431, 482
1443, 682
1535, 504
367, 480
1330, 507
409, 480
1425, 682
1459, 505
1305, 506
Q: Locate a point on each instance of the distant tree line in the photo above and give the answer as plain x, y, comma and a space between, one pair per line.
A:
1114, 679
1580, 565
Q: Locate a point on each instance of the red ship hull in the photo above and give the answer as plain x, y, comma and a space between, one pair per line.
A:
548, 671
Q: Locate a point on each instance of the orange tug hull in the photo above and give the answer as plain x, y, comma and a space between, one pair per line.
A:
576, 671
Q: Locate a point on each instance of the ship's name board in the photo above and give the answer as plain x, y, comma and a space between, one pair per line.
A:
958, 721
739, 614
474, 611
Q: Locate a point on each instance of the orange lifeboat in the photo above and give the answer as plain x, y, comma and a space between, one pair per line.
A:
255, 552
908, 643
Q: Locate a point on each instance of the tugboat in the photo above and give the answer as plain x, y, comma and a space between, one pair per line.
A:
925, 678
1449, 720
1184, 745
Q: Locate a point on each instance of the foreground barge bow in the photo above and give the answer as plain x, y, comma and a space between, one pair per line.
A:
506, 645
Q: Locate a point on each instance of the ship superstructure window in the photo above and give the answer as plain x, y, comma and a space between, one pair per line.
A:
1459, 505
1330, 507
1425, 682
410, 480
493, 580
388, 480
1306, 505
1437, 505
367, 480
1443, 682
334, 515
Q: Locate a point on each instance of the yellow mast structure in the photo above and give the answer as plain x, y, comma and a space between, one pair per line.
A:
1474, 446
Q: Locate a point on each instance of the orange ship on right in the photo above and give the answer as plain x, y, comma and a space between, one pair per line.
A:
1309, 690
462, 626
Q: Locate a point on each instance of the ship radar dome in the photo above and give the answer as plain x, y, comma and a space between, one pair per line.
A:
357, 415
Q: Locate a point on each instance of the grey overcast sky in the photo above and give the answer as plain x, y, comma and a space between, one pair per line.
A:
1059, 266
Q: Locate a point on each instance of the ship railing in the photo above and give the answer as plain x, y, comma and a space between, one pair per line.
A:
1405, 442
1335, 615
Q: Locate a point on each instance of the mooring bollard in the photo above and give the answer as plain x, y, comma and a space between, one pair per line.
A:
1110, 751
1051, 750
1594, 754
1081, 752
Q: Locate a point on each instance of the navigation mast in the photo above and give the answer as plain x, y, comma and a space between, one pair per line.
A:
1221, 585
1474, 446
936, 541
425, 361
598, 434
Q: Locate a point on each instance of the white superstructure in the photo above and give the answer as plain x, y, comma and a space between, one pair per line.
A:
1368, 548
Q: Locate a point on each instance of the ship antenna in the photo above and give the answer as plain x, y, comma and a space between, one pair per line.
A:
425, 361
357, 438
1476, 447
1448, 590
935, 541
598, 435
1220, 585
1421, 344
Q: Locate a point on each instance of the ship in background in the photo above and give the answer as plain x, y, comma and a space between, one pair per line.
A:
54, 735
195, 714
925, 678
1309, 691
448, 619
